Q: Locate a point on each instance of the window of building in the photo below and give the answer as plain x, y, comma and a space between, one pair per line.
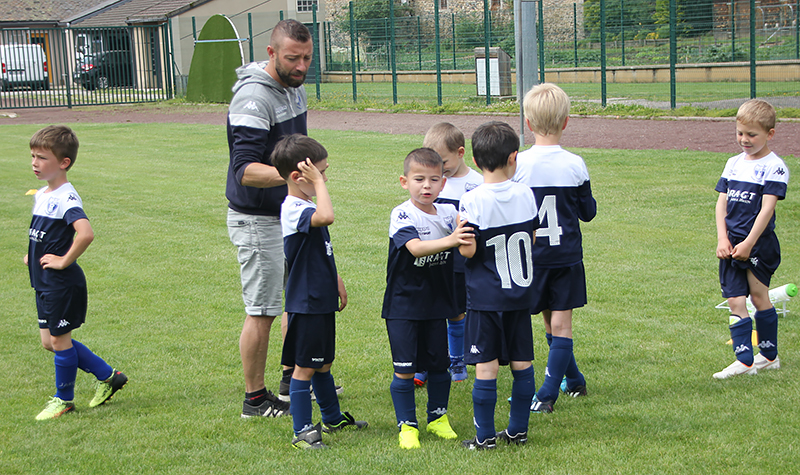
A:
306, 5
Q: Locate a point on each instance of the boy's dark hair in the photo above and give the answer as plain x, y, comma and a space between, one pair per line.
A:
60, 140
492, 144
427, 157
293, 149
289, 29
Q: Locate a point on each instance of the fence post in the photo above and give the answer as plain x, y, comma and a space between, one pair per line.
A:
673, 49
733, 30
316, 47
353, 53
622, 27
603, 53
518, 57
541, 41
752, 49
419, 44
453, 27
797, 31
194, 30
250, 34
438, 53
392, 52
486, 54
66, 61
575, 31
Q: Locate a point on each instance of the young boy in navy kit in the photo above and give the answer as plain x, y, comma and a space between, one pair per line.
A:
419, 295
314, 290
751, 185
499, 277
560, 183
60, 233
446, 140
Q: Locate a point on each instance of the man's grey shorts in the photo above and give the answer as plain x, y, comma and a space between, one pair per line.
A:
263, 265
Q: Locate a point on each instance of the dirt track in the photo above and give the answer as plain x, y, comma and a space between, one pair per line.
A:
665, 134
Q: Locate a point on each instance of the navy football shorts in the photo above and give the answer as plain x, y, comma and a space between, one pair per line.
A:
310, 340
62, 310
561, 288
763, 262
504, 336
418, 345
460, 281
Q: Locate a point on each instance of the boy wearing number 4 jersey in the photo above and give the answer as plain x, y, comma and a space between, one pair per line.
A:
560, 182
499, 276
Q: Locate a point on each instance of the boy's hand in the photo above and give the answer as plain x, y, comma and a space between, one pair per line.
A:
462, 234
724, 249
741, 252
25, 259
310, 173
52, 261
342, 293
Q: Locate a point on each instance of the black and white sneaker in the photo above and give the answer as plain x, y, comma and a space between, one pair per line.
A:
577, 391
517, 439
474, 444
271, 407
309, 439
541, 407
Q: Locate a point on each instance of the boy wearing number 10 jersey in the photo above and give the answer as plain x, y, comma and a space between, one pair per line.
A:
560, 182
499, 277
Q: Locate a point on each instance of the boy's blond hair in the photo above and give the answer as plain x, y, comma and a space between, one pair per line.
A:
756, 111
58, 139
546, 108
444, 134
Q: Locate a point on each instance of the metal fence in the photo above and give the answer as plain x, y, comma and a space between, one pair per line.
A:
65, 67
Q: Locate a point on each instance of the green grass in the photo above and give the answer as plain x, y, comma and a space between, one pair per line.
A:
165, 307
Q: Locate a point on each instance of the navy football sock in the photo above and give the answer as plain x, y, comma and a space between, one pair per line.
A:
328, 401
438, 394
767, 328
741, 334
89, 362
521, 395
66, 362
557, 361
300, 399
455, 338
405, 407
484, 400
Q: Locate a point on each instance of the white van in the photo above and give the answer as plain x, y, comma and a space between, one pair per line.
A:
23, 66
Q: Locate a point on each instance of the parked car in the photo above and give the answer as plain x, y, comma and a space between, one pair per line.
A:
23, 65
104, 70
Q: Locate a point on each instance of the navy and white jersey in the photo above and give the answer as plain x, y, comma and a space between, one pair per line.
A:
51, 232
504, 217
560, 182
454, 188
419, 288
312, 286
746, 182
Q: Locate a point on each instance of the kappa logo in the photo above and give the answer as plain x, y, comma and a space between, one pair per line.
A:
780, 171
754, 261
439, 411
251, 106
62, 324
408, 423
740, 349
474, 350
72, 197
547, 371
328, 248
766, 344
402, 215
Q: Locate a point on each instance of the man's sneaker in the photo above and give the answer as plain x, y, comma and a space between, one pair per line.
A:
408, 437
347, 421
420, 378
474, 444
517, 439
761, 362
309, 439
541, 407
441, 428
54, 408
458, 370
339, 391
106, 389
735, 369
271, 407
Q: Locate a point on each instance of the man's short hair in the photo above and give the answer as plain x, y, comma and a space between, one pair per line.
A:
60, 140
427, 157
444, 134
546, 108
293, 149
289, 29
492, 144
756, 111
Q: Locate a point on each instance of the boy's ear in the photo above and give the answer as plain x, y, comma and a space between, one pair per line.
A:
295, 176
460, 152
404, 182
770, 134
512, 158
65, 162
476, 163
528, 123
565, 123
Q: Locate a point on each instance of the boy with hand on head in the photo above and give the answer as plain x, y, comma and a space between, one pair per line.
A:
560, 183
314, 290
60, 233
420, 296
747, 247
499, 276
446, 140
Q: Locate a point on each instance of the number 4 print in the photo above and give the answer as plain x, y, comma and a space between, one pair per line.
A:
549, 215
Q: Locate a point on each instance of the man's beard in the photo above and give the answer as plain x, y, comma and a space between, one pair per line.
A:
287, 78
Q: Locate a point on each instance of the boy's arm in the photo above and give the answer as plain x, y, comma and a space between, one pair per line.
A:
342, 293
724, 248
460, 236
741, 251
587, 205
83, 237
323, 216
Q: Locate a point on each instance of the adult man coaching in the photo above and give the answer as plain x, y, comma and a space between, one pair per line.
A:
269, 102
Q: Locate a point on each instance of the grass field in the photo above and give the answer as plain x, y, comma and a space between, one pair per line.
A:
165, 308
